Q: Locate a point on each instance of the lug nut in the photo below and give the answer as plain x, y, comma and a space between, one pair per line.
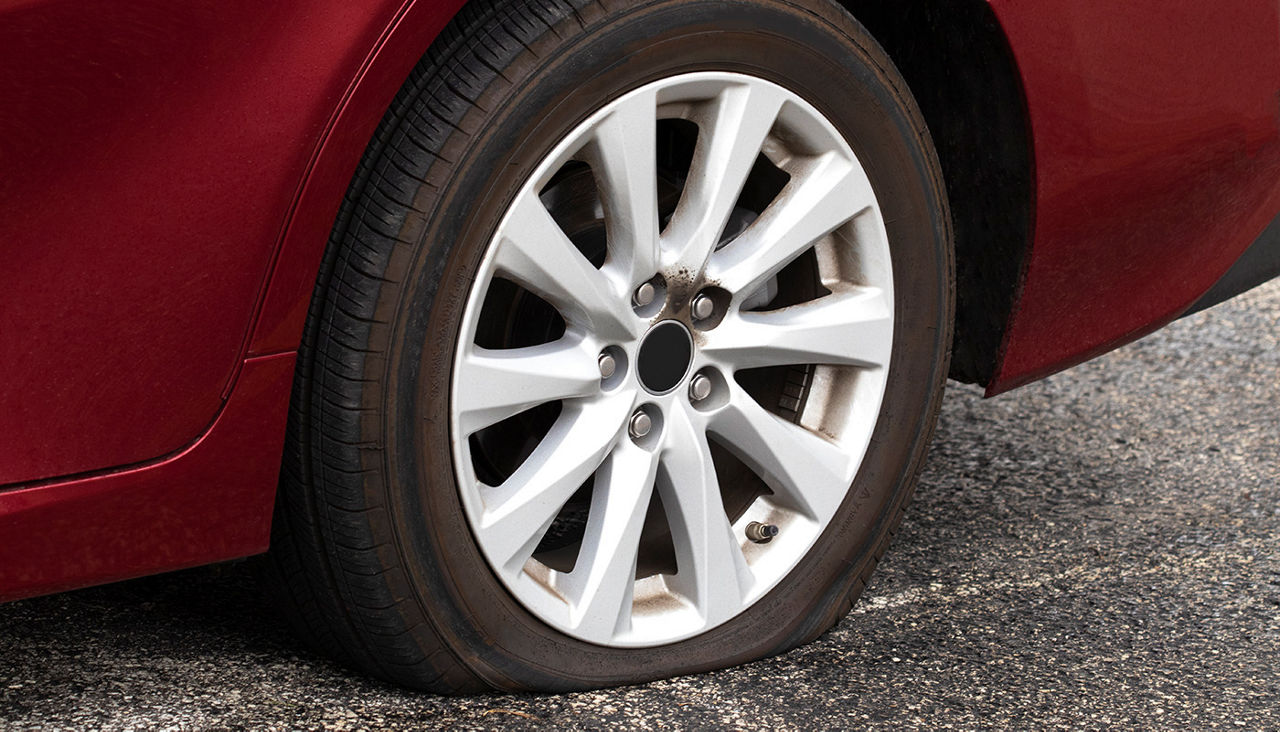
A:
703, 307
644, 295
761, 533
608, 365
699, 388
640, 425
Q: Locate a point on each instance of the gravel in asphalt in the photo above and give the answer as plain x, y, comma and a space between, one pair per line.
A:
1097, 550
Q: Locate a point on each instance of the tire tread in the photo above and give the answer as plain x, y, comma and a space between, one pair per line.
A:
348, 592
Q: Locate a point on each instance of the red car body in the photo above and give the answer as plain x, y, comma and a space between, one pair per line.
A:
170, 172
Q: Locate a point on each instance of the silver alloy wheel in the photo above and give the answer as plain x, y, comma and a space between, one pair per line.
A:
805, 447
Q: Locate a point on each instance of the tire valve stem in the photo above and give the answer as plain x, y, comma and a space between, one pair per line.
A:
761, 533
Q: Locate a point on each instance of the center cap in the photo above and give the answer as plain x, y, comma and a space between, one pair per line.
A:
664, 356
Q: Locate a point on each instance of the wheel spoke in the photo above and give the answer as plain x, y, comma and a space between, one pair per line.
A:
711, 569
828, 193
740, 120
850, 328
624, 159
535, 252
803, 469
496, 384
603, 580
637, 147
518, 512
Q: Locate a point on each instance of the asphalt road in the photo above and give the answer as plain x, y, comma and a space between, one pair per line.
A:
1101, 549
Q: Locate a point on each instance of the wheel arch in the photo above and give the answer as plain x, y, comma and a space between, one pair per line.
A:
961, 70
952, 54
305, 235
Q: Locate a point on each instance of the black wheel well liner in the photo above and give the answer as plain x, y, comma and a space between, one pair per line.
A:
958, 64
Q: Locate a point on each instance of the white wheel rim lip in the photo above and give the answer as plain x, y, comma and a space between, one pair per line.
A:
664, 609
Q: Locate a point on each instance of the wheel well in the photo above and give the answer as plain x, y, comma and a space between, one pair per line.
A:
958, 64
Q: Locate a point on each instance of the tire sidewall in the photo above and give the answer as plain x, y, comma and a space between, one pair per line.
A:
815, 51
